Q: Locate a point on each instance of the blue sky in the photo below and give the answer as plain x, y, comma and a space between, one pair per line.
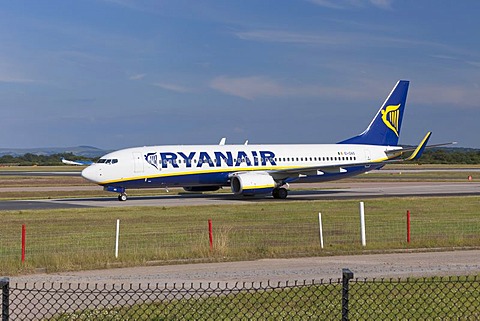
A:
122, 73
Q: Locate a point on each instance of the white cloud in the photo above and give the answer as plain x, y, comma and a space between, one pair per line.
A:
137, 77
260, 86
474, 63
328, 4
458, 96
383, 4
248, 87
292, 37
8, 79
9, 74
348, 39
173, 87
346, 4
453, 95
150, 6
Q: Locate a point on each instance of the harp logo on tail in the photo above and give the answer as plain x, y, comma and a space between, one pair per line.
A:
391, 116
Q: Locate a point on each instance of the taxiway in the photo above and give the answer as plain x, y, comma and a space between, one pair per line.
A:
326, 191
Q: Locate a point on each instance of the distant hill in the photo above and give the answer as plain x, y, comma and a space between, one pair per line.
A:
84, 151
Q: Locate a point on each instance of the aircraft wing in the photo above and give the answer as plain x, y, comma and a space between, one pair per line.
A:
76, 162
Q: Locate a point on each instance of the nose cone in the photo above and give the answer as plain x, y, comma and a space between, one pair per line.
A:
91, 173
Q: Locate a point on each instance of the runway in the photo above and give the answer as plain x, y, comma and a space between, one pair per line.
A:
312, 192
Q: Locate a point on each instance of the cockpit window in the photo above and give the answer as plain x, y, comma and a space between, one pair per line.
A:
107, 161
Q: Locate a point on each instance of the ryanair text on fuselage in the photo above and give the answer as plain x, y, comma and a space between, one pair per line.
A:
198, 159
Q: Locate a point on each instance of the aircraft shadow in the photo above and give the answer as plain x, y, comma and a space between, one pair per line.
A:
292, 196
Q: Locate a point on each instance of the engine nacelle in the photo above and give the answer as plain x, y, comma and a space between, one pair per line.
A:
201, 188
252, 183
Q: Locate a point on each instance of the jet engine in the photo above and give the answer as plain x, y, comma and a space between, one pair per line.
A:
252, 183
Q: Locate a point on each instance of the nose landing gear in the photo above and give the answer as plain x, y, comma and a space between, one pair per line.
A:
122, 196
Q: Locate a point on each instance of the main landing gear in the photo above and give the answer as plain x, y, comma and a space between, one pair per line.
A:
122, 197
280, 193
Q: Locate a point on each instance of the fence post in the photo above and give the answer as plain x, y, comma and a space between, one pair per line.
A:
362, 224
408, 226
5, 285
210, 234
321, 229
117, 235
347, 275
24, 237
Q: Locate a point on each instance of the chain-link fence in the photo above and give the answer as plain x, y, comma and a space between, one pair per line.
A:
343, 299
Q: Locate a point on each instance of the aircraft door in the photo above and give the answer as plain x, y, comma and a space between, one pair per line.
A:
367, 157
138, 162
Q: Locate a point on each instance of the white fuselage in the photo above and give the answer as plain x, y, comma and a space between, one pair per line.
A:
208, 165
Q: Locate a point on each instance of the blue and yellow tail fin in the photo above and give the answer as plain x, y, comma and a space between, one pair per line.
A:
385, 126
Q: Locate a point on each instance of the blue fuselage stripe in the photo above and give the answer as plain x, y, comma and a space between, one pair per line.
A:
222, 179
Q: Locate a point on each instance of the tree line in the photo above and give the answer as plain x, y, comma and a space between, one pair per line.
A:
30, 159
434, 156
450, 156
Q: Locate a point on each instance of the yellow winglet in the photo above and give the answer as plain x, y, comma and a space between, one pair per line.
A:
420, 148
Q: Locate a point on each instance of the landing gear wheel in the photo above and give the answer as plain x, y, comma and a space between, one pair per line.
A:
280, 193
122, 197
275, 193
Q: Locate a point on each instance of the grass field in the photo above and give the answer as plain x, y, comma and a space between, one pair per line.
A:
76, 239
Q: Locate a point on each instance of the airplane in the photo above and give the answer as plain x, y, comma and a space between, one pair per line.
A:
251, 170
